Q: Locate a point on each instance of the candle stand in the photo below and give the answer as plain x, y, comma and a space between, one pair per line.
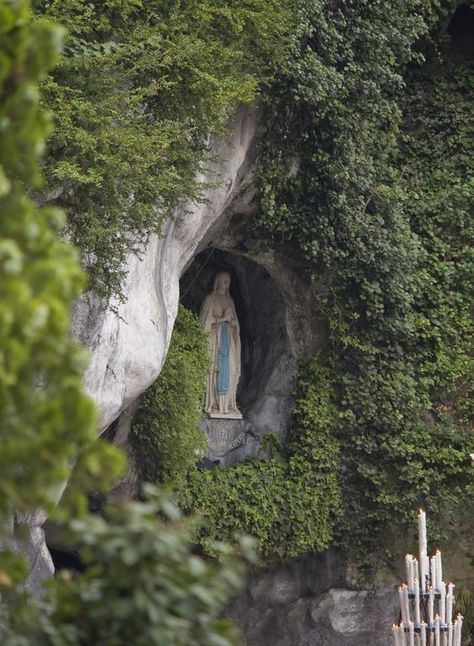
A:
426, 601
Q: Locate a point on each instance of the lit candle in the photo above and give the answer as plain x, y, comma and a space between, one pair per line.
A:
411, 633
423, 634
401, 598
417, 602
431, 606
450, 634
449, 604
456, 640
417, 574
396, 635
437, 632
442, 602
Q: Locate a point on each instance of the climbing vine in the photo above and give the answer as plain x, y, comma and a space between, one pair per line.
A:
366, 174
369, 177
141, 87
289, 501
165, 431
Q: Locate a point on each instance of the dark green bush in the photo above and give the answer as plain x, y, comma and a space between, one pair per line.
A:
165, 430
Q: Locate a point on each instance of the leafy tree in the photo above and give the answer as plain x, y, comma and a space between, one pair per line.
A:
142, 585
46, 419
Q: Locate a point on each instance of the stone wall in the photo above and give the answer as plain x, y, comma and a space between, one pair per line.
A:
309, 603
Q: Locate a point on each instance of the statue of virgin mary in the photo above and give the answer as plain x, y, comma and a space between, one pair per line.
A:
219, 319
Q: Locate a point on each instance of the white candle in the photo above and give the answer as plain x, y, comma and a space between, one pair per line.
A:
423, 634
422, 545
450, 634
411, 633
456, 640
417, 602
449, 604
442, 602
401, 598
408, 566
439, 568
407, 603
403, 634
417, 573
437, 632
426, 572
422, 529
460, 620
396, 635
434, 578
431, 606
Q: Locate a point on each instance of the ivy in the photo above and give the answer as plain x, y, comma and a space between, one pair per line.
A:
142, 86
290, 501
366, 173
165, 431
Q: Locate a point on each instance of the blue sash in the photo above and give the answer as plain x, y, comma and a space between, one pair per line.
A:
223, 360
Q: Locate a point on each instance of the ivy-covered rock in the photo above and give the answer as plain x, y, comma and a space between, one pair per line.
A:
289, 501
366, 174
165, 431
141, 87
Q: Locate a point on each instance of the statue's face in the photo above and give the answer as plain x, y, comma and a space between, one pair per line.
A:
223, 282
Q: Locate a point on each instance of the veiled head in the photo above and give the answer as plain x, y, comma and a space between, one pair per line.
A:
221, 282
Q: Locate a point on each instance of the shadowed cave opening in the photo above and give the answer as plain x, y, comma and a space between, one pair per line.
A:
266, 358
461, 30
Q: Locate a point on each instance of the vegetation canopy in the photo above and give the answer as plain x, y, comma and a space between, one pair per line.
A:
141, 87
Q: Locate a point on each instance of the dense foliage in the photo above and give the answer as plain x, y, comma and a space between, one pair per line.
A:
290, 501
370, 180
141, 87
46, 420
367, 175
142, 585
165, 431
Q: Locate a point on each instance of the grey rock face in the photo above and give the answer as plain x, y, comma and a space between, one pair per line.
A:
25, 535
290, 606
128, 350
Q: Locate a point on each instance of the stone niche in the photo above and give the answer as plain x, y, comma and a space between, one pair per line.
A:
267, 361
